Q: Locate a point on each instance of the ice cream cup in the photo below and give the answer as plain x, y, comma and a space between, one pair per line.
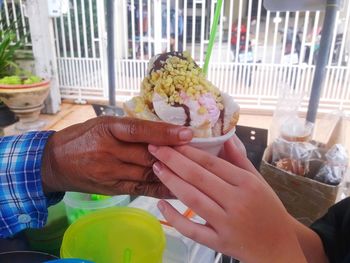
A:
212, 145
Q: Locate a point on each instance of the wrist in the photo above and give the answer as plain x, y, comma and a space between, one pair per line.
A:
289, 251
290, 248
281, 245
49, 180
286, 249
310, 242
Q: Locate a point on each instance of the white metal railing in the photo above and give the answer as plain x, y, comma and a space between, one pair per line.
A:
256, 51
273, 49
81, 52
12, 11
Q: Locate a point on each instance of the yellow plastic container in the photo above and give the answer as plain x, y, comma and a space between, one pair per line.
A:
115, 235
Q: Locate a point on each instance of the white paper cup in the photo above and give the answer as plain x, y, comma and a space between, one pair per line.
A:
212, 145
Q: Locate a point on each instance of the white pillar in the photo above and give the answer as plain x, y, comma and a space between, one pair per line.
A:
121, 40
157, 26
42, 34
102, 33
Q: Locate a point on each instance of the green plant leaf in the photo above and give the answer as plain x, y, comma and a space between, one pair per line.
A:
9, 44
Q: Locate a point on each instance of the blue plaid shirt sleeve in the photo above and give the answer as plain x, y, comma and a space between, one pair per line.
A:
23, 203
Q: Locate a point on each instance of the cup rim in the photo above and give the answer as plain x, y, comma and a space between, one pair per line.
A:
224, 137
69, 200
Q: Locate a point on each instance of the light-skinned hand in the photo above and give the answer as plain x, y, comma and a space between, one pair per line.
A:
245, 219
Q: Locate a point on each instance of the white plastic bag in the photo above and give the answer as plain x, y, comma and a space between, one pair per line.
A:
335, 166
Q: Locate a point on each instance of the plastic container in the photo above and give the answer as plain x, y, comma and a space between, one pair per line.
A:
80, 204
49, 238
115, 235
179, 249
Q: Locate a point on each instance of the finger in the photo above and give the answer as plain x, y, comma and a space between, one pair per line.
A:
157, 190
199, 202
135, 153
226, 171
206, 181
239, 145
234, 155
127, 172
158, 133
200, 233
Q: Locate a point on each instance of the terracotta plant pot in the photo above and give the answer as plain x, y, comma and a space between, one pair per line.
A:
26, 101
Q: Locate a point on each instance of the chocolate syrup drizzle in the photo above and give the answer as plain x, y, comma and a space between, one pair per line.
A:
161, 59
221, 117
159, 64
187, 112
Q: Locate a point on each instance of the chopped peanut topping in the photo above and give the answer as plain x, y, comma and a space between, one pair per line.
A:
176, 76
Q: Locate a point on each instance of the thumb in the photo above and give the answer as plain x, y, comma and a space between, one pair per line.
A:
239, 145
143, 131
236, 154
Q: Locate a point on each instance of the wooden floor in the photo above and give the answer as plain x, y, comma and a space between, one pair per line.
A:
72, 113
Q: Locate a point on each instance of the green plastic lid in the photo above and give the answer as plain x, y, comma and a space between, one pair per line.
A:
118, 234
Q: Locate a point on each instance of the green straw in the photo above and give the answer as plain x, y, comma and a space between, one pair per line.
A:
212, 36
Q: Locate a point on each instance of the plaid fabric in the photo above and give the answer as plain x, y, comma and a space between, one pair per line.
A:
22, 201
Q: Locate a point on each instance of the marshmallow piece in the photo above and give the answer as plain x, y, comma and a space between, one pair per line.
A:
130, 110
231, 112
168, 113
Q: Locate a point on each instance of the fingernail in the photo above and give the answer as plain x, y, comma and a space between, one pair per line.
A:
152, 148
157, 167
185, 134
161, 206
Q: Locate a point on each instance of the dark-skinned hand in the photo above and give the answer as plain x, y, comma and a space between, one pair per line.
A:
108, 155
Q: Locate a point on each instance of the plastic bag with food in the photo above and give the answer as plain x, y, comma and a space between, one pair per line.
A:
335, 166
293, 156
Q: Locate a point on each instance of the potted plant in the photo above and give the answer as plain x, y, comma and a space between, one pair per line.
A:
25, 96
21, 91
7, 117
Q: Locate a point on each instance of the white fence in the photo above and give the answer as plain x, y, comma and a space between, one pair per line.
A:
273, 49
81, 51
256, 51
12, 13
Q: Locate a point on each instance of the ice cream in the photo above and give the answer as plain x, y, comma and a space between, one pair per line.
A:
176, 91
